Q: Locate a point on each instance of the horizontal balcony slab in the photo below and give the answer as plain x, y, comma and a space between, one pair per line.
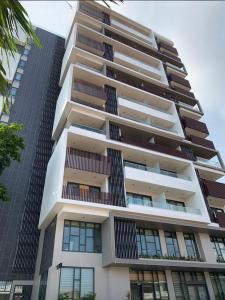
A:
146, 181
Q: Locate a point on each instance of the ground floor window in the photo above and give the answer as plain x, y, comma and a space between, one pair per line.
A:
148, 285
22, 292
76, 283
43, 286
5, 288
218, 282
190, 285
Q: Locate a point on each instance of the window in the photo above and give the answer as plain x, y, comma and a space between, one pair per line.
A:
43, 286
172, 244
148, 285
176, 203
190, 285
215, 209
148, 243
218, 283
22, 292
5, 288
26, 52
132, 164
82, 237
139, 199
191, 245
219, 247
18, 76
13, 91
80, 189
77, 283
22, 64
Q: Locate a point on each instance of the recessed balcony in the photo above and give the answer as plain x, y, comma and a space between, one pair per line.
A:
196, 128
86, 196
85, 90
168, 48
215, 192
176, 81
90, 45
90, 11
202, 142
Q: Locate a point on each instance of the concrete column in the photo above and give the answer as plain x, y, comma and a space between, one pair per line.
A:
206, 249
170, 284
209, 286
118, 284
181, 243
162, 242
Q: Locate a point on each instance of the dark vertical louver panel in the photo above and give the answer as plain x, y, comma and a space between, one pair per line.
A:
106, 18
203, 188
114, 132
189, 153
111, 104
108, 53
48, 247
125, 239
116, 180
110, 73
27, 242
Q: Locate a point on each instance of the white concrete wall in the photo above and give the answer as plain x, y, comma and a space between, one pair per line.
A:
64, 96
54, 177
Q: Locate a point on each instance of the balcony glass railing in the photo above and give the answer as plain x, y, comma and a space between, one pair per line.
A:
150, 203
209, 162
148, 105
156, 170
88, 128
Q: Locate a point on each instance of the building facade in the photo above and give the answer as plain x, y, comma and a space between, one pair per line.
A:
131, 206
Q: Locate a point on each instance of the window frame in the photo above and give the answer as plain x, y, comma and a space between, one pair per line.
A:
73, 279
173, 238
217, 248
85, 245
139, 241
193, 242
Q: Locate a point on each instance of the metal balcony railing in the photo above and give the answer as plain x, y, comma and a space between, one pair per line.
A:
89, 89
86, 196
90, 43
87, 161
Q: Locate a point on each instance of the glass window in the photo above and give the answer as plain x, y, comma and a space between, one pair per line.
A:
148, 243
148, 285
76, 283
218, 283
191, 245
82, 237
13, 91
22, 292
26, 52
132, 164
137, 199
172, 244
190, 285
176, 203
5, 288
18, 76
219, 247
43, 286
22, 64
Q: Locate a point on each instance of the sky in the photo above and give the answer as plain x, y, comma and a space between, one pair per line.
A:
197, 30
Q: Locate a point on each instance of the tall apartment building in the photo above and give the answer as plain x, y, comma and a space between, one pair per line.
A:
131, 206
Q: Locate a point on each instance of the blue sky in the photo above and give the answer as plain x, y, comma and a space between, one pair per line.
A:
197, 30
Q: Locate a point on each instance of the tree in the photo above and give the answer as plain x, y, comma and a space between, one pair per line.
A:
10, 148
12, 18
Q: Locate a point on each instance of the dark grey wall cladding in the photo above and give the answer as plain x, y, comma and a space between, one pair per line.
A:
125, 239
48, 247
34, 108
116, 180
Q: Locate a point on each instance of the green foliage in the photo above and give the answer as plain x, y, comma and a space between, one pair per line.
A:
90, 296
12, 17
64, 296
10, 149
170, 257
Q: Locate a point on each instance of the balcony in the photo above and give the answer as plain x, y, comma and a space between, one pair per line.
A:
202, 142
209, 162
90, 11
87, 161
147, 38
134, 201
171, 49
86, 196
180, 82
83, 89
196, 128
90, 45
215, 191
